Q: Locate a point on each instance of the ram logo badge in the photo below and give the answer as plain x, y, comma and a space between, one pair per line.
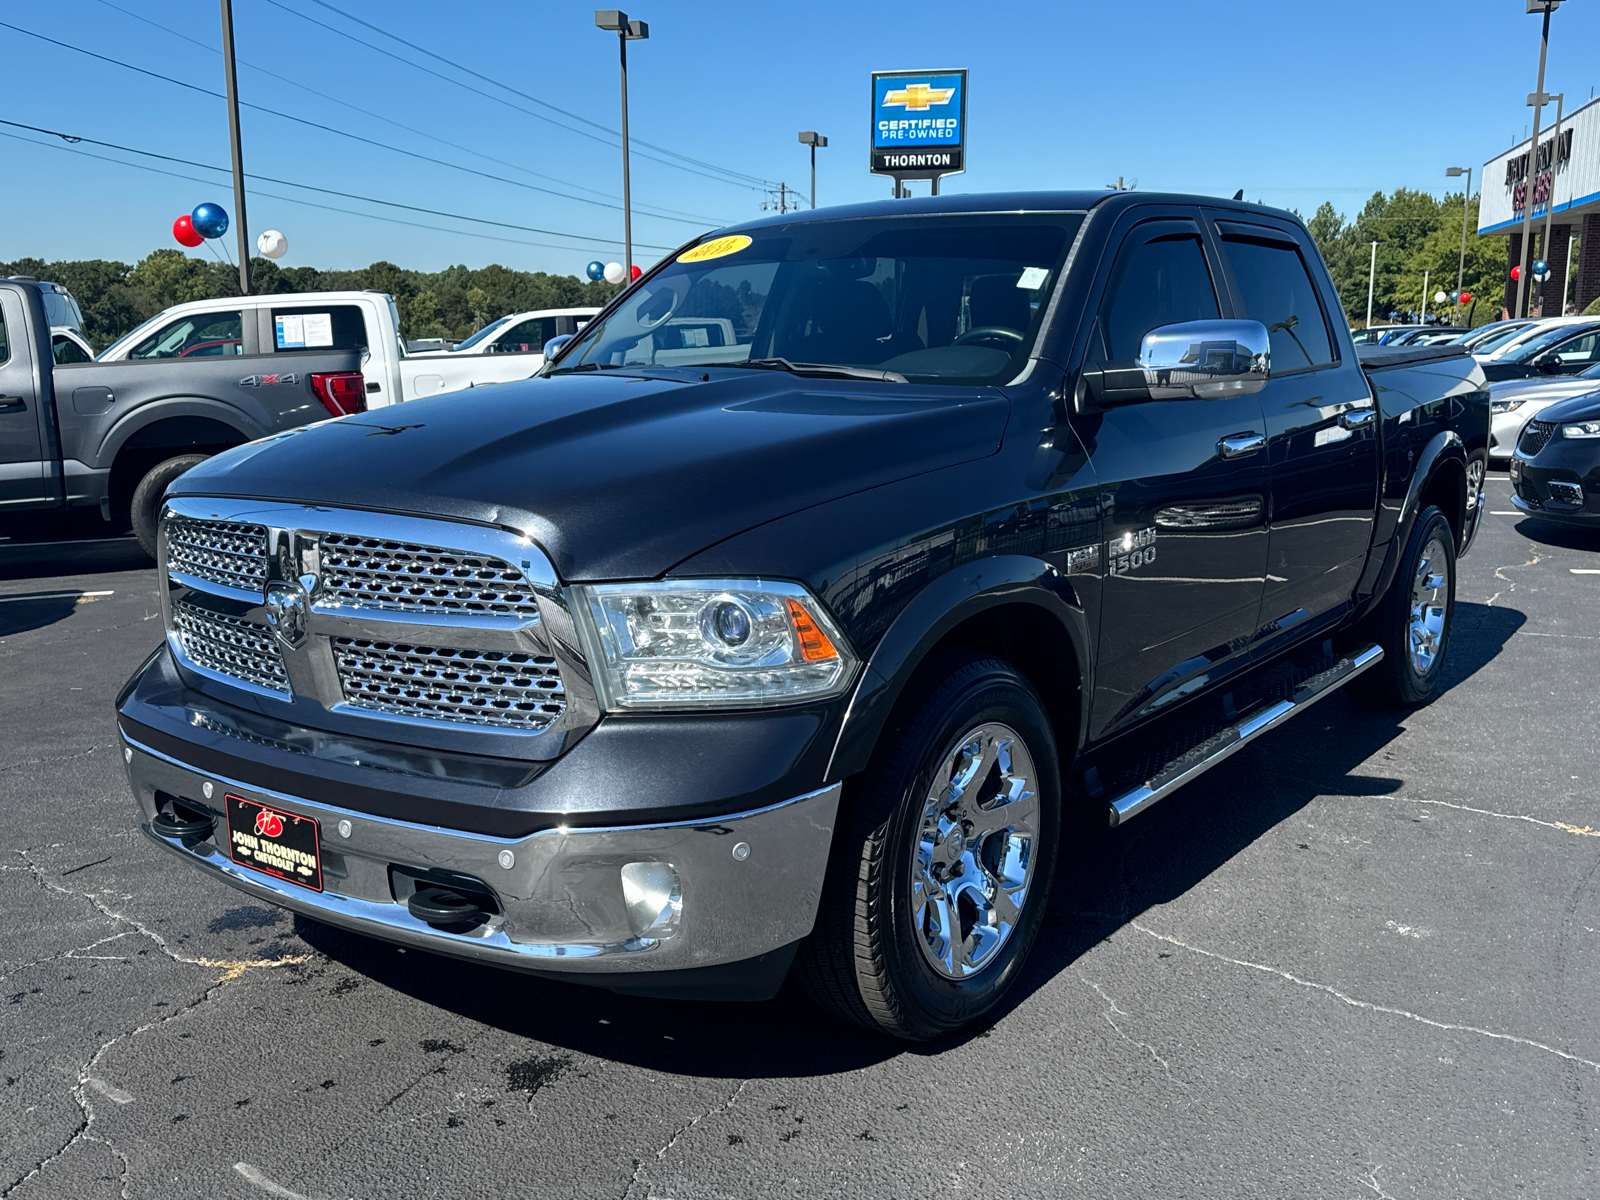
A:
1131, 551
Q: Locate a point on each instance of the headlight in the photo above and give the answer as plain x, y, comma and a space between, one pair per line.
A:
1505, 406
1581, 429
710, 643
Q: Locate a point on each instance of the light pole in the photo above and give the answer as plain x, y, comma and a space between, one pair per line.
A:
1372, 276
808, 138
236, 146
1550, 200
1424, 298
1466, 201
1536, 100
616, 21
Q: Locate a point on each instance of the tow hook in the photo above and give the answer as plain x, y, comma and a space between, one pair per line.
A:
184, 824
445, 909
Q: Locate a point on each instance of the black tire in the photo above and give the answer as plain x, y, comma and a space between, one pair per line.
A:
146, 506
1403, 679
863, 961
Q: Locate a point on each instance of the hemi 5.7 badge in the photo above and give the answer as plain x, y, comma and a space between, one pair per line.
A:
1131, 551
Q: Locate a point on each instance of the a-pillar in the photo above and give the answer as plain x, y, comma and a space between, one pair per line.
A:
1588, 288
1555, 256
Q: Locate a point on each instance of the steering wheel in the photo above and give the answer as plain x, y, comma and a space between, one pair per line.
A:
673, 299
999, 337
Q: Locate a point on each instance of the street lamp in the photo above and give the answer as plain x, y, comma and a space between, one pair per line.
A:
1536, 101
1466, 199
1550, 200
1372, 278
808, 138
616, 21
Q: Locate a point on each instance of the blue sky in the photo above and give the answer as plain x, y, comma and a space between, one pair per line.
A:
1296, 103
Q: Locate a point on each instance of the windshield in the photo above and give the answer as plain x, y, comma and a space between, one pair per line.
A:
488, 329
1544, 341
1500, 339
936, 299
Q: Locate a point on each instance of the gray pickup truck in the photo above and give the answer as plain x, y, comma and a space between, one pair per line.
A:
113, 435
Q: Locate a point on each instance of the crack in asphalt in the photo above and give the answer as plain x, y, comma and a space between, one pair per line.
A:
639, 1164
1113, 1009
1353, 1002
1578, 830
34, 762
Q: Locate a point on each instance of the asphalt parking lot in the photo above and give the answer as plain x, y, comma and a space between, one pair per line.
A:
1356, 961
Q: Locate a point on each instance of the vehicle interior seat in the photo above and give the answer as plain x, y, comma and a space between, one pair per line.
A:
997, 300
850, 321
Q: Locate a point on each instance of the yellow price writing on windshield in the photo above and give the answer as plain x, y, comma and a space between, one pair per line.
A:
716, 248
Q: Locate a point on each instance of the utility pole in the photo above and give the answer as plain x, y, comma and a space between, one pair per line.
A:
1466, 203
240, 225
1536, 100
1372, 276
615, 20
783, 197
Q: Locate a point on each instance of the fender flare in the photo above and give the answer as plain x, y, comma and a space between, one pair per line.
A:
149, 414
1445, 446
942, 605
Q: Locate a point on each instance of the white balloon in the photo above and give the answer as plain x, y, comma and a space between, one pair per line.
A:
615, 273
1440, 297
272, 244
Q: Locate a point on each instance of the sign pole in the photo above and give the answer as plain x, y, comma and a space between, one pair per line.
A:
919, 126
1537, 102
241, 227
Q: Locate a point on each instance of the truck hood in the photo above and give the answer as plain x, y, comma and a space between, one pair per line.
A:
619, 476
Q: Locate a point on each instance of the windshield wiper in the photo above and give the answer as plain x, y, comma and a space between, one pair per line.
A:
823, 370
586, 366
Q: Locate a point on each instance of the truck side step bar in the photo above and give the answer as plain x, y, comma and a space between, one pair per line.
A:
1223, 744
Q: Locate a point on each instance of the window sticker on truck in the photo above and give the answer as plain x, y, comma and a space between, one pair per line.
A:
716, 248
305, 331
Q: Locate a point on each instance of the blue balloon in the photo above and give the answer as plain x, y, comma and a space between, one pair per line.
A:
210, 220
1540, 267
595, 270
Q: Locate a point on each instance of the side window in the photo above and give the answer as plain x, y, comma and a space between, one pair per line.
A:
526, 337
67, 351
1277, 291
1158, 282
5, 342
324, 327
199, 335
1579, 351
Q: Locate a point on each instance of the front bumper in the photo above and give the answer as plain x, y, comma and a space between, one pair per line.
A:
1561, 483
748, 882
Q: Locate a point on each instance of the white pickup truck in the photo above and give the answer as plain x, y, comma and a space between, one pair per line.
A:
366, 321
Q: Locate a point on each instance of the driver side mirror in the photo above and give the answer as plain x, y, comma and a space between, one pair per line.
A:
1204, 360
553, 346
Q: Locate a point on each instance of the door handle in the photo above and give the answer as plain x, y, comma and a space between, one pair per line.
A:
13, 404
1237, 445
1356, 418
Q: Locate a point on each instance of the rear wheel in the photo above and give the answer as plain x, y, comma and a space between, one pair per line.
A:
1412, 622
942, 865
146, 506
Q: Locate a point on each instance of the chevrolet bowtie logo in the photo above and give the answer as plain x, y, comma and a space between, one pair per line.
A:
918, 97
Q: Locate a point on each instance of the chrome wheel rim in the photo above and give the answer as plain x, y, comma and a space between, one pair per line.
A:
1475, 477
973, 858
1430, 599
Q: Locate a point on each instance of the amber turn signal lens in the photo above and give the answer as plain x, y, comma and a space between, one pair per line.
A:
814, 644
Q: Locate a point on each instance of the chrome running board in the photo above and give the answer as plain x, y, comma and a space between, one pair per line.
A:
1226, 742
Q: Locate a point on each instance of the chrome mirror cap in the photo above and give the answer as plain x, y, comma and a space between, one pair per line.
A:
1205, 359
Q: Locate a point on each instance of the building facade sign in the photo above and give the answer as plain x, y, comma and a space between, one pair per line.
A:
1565, 171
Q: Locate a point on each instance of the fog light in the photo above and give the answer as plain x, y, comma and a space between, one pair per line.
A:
654, 900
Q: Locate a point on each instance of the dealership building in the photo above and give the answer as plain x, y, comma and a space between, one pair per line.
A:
1562, 182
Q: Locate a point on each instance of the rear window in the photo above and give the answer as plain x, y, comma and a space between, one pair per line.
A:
319, 327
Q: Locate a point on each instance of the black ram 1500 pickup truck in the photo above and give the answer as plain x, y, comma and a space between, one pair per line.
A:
112, 435
798, 611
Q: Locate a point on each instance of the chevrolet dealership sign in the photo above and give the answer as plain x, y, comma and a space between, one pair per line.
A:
919, 123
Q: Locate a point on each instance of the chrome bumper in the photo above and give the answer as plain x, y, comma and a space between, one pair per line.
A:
747, 883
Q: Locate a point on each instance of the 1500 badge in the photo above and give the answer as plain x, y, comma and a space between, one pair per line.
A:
1131, 551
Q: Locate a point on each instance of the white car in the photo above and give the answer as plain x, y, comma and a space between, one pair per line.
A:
1491, 351
520, 333
1514, 402
260, 326
69, 346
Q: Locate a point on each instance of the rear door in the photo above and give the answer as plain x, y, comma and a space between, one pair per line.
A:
1322, 425
1184, 492
24, 477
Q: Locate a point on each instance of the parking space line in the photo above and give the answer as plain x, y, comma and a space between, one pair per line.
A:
55, 596
1584, 570
1504, 512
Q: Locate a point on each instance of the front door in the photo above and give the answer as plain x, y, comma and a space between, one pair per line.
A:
23, 477
1184, 496
1322, 428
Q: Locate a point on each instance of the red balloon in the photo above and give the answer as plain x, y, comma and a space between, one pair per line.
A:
183, 230
1466, 297
636, 271
1516, 272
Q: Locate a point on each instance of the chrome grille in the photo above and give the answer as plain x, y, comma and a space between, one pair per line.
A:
227, 552
230, 645
1535, 438
406, 577
475, 687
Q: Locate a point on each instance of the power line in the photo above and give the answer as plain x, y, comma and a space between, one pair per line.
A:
303, 203
754, 179
613, 140
311, 187
658, 209
327, 128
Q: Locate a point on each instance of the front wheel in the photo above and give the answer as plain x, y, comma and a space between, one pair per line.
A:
943, 862
146, 506
1412, 622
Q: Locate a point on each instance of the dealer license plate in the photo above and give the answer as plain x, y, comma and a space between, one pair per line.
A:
274, 842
